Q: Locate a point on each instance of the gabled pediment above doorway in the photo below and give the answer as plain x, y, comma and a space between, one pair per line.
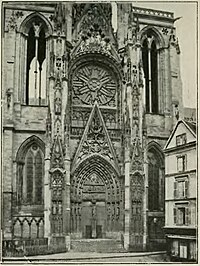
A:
95, 140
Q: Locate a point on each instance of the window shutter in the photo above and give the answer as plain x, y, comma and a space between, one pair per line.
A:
187, 216
175, 189
175, 216
186, 189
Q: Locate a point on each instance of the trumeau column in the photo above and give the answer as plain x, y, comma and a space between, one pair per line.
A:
57, 206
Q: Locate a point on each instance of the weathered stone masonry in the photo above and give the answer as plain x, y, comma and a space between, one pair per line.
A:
86, 113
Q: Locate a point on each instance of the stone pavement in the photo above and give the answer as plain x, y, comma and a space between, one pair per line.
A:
92, 257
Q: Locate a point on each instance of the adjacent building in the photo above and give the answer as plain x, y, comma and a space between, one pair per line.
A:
181, 192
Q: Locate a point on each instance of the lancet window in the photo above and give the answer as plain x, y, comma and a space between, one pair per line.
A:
30, 175
155, 181
150, 65
36, 65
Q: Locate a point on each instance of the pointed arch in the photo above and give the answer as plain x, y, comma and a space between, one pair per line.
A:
95, 126
30, 172
92, 157
36, 16
96, 191
155, 159
154, 146
155, 33
152, 41
35, 30
26, 145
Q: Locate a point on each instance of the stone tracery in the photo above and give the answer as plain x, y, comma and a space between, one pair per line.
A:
93, 83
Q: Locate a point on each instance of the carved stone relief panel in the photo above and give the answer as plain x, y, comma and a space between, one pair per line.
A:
94, 16
137, 190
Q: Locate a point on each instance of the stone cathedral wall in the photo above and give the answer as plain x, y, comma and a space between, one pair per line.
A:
130, 132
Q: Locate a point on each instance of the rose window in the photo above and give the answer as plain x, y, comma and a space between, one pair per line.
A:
93, 83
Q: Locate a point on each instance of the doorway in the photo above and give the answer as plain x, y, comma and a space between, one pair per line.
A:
93, 218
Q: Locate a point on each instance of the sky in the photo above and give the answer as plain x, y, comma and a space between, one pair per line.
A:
186, 29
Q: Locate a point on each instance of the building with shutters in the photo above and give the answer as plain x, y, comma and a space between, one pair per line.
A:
181, 192
87, 109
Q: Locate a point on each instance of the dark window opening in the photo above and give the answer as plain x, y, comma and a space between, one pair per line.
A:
30, 56
154, 78
181, 139
145, 60
150, 66
36, 65
31, 177
153, 187
155, 182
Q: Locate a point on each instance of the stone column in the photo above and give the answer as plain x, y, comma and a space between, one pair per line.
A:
66, 201
167, 89
47, 195
145, 201
7, 182
127, 198
8, 127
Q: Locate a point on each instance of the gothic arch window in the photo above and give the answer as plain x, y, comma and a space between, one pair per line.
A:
150, 64
155, 180
36, 65
30, 174
34, 43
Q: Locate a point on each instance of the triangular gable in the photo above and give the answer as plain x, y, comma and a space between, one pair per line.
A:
187, 128
95, 140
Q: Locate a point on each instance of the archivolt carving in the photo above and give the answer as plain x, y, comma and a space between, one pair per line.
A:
93, 181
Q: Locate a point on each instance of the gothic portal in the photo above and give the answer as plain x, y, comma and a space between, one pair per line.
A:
90, 98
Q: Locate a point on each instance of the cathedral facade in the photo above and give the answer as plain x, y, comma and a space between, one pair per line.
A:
87, 110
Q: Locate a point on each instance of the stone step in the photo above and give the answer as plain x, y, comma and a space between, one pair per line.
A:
97, 245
